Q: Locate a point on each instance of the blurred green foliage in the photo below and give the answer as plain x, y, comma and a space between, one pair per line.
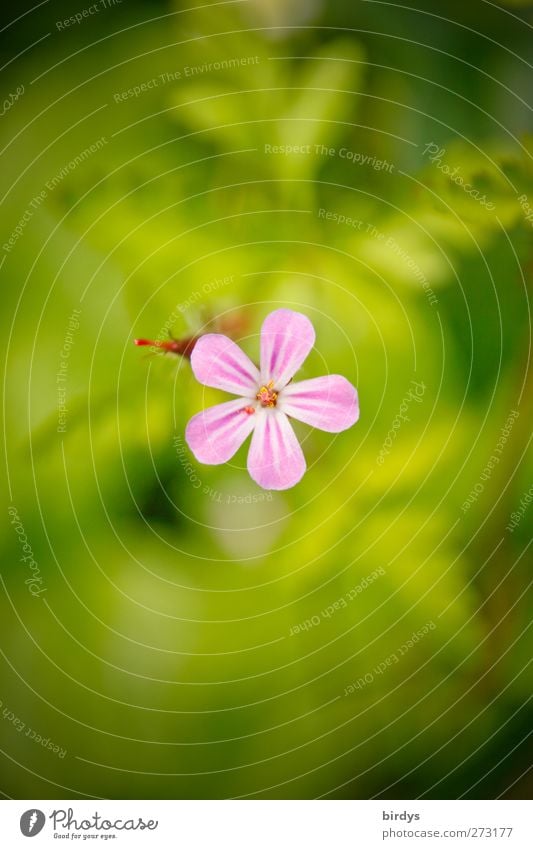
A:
161, 656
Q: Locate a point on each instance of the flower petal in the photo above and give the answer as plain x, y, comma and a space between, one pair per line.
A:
217, 361
215, 434
286, 339
328, 403
275, 459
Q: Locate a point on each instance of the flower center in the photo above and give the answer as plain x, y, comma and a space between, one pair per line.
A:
266, 395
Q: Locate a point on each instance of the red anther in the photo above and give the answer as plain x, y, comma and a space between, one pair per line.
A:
249, 410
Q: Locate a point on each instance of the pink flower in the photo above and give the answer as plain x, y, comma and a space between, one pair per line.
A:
267, 399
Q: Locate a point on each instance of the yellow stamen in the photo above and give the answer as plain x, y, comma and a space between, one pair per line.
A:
266, 395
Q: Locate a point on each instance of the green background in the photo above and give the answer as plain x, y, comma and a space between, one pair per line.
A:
160, 657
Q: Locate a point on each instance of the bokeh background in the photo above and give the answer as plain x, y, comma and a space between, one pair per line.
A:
187, 635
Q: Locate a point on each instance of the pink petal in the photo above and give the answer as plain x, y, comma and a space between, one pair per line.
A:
286, 339
328, 403
217, 361
275, 459
215, 434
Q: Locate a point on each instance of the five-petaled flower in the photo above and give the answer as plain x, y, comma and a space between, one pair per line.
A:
267, 399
